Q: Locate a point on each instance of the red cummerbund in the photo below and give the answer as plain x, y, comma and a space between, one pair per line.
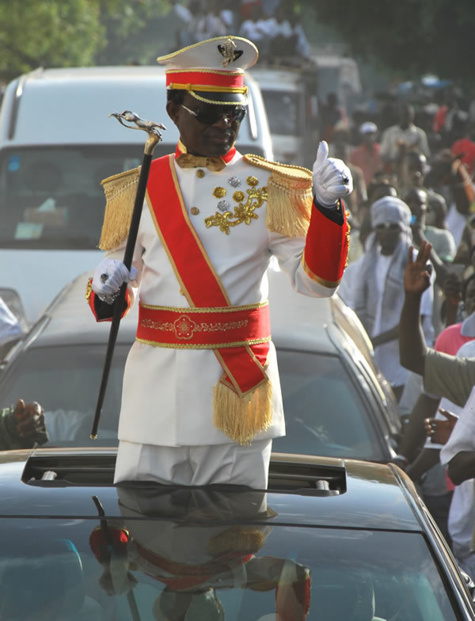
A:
204, 328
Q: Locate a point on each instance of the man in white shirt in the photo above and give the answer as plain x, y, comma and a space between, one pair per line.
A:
459, 455
398, 139
378, 291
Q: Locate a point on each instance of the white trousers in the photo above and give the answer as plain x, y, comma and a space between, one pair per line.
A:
195, 465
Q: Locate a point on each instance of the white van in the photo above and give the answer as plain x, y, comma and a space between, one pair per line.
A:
56, 145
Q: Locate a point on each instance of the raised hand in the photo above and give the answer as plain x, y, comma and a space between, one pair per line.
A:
29, 417
439, 430
416, 274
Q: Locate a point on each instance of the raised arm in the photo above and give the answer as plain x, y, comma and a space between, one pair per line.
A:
412, 347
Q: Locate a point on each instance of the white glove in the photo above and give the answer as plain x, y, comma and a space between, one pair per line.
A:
108, 278
331, 178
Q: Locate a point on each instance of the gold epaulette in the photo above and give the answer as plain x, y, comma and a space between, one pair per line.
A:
289, 196
120, 191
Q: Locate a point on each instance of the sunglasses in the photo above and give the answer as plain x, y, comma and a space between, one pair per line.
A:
211, 115
391, 226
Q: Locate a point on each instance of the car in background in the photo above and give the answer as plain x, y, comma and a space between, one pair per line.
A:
329, 540
335, 403
56, 145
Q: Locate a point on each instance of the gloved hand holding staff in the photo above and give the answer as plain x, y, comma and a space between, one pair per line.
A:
154, 137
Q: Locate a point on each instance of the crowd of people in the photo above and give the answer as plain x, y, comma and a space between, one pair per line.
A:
413, 190
410, 276
273, 25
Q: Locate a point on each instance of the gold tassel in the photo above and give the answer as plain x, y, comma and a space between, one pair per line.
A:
288, 207
289, 196
241, 418
120, 191
236, 539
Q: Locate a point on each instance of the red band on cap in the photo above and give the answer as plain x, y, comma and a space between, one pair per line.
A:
206, 78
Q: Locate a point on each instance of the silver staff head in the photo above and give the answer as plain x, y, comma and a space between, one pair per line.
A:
130, 117
132, 121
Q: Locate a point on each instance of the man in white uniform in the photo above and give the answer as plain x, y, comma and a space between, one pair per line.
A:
201, 399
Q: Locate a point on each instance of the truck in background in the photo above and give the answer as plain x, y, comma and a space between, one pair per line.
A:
338, 74
290, 97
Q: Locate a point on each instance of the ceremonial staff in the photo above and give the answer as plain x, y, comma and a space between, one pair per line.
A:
127, 118
114, 557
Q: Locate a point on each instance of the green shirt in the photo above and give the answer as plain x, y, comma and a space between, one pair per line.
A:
448, 376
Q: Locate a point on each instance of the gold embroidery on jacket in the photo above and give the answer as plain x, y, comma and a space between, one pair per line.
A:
244, 211
184, 327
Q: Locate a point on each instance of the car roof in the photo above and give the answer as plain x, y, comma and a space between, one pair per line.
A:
361, 495
62, 93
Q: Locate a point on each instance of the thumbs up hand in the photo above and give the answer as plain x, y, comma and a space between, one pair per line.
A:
332, 178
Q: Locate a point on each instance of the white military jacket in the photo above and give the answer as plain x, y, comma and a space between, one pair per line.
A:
168, 393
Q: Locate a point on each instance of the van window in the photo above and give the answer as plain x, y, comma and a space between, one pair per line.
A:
52, 198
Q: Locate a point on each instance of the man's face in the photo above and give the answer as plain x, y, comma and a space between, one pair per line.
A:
417, 202
416, 165
210, 139
369, 138
406, 116
388, 235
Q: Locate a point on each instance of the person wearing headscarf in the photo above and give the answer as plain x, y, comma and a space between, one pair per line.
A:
378, 286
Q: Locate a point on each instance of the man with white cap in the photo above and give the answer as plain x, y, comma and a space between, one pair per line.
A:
367, 155
201, 399
378, 286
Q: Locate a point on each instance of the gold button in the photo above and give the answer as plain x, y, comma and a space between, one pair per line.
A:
219, 192
200, 173
194, 211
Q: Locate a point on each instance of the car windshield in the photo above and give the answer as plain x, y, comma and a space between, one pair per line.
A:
51, 197
283, 112
154, 562
325, 412
65, 381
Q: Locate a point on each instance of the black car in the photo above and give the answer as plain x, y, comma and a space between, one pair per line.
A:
329, 540
335, 401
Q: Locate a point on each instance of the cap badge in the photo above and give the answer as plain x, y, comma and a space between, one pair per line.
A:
229, 52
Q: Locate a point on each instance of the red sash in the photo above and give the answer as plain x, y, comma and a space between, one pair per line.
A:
242, 365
